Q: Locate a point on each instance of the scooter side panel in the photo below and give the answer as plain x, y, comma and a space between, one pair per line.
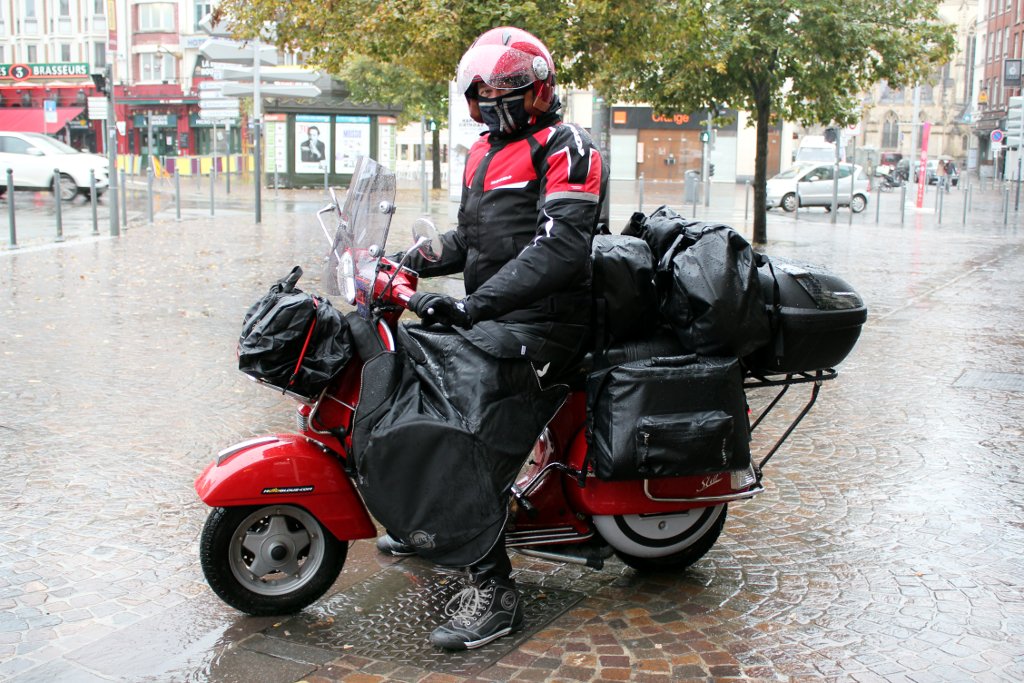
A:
599, 497
287, 469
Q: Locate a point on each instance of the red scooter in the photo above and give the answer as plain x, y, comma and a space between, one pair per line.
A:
285, 510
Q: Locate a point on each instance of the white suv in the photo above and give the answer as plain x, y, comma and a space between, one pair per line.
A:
34, 157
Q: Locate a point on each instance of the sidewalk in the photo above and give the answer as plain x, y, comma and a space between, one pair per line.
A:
888, 546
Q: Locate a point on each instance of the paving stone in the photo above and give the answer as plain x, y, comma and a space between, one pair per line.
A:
887, 545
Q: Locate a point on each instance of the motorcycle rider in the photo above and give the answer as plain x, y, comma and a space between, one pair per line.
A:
530, 204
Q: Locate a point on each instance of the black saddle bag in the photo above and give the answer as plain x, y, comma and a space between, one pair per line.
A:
667, 417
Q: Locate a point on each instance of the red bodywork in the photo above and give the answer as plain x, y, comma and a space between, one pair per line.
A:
307, 469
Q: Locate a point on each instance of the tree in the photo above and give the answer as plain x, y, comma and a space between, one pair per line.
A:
796, 60
397, 51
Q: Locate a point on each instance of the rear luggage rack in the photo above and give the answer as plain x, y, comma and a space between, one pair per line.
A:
759, 381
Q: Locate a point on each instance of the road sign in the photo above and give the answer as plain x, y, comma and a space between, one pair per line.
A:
236, 52
97, 108
1014, 121
50, 111
996, 135
243, 89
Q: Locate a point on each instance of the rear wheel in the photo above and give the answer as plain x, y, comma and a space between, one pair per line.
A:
269, 560
663, 542
789, 202
858, 203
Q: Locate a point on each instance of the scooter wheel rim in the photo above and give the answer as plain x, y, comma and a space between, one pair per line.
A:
276, 550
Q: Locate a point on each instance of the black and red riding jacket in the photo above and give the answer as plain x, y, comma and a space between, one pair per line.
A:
529, 209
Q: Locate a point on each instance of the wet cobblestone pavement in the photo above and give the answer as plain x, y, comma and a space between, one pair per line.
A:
888, 546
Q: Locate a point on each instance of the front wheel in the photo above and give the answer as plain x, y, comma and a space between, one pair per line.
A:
270, 560
68, 188
858, 203
668, 542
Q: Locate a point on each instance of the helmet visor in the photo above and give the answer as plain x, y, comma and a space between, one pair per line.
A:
498, 66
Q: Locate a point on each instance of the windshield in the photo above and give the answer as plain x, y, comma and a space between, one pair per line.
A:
816, 154
362, 232
50, 144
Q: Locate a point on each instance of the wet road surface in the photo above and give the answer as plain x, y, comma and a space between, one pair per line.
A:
888, 546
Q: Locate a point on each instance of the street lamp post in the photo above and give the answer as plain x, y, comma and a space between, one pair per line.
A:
115, 228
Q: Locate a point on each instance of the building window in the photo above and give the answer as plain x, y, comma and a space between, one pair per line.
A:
30, 53
891, 131
202, 9
64, 8
156, 17
157, 66
65, 52
99, 7
30, 9
99, 54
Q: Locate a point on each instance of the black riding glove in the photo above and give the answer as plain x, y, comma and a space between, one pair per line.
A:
440, 309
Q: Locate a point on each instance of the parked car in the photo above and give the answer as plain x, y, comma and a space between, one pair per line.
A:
34, 156
931, 171
811, 185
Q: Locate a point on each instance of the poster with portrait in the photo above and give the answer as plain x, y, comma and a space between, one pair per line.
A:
312, 143
351, 141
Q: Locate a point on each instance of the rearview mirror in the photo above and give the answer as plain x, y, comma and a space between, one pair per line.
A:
427, 240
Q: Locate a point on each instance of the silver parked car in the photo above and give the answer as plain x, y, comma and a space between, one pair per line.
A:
34, 156
811, 185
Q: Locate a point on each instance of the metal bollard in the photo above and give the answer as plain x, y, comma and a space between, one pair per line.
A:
276, 183
149, 193
177, 193
967, 196
640, 205
1006, 204
227, 174
10, 207
878, 202
56, 194
903, 203
940, 201
124, 203
213, 181
746, 206
796, 209
92, 201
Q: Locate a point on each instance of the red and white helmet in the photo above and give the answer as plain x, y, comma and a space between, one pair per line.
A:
508, 58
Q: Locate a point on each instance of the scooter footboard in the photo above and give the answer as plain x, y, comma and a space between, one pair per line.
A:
287, 469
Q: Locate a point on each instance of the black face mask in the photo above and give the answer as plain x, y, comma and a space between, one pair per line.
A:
504, 115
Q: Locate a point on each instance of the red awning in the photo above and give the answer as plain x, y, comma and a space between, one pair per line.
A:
31, 120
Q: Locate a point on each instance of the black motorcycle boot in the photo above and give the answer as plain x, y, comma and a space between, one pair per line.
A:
479, 614
389, 545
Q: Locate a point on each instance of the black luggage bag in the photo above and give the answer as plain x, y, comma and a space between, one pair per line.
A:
667, 417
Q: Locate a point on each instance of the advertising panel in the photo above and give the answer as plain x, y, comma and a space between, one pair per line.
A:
312, 142
351, 141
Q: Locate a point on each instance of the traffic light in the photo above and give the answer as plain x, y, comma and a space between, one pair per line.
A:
100, 81
711, 170
1014, 112
831, 134
705, 136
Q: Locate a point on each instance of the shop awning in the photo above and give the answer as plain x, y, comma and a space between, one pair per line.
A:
31, 120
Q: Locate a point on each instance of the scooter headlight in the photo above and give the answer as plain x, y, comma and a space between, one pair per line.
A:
347, 277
